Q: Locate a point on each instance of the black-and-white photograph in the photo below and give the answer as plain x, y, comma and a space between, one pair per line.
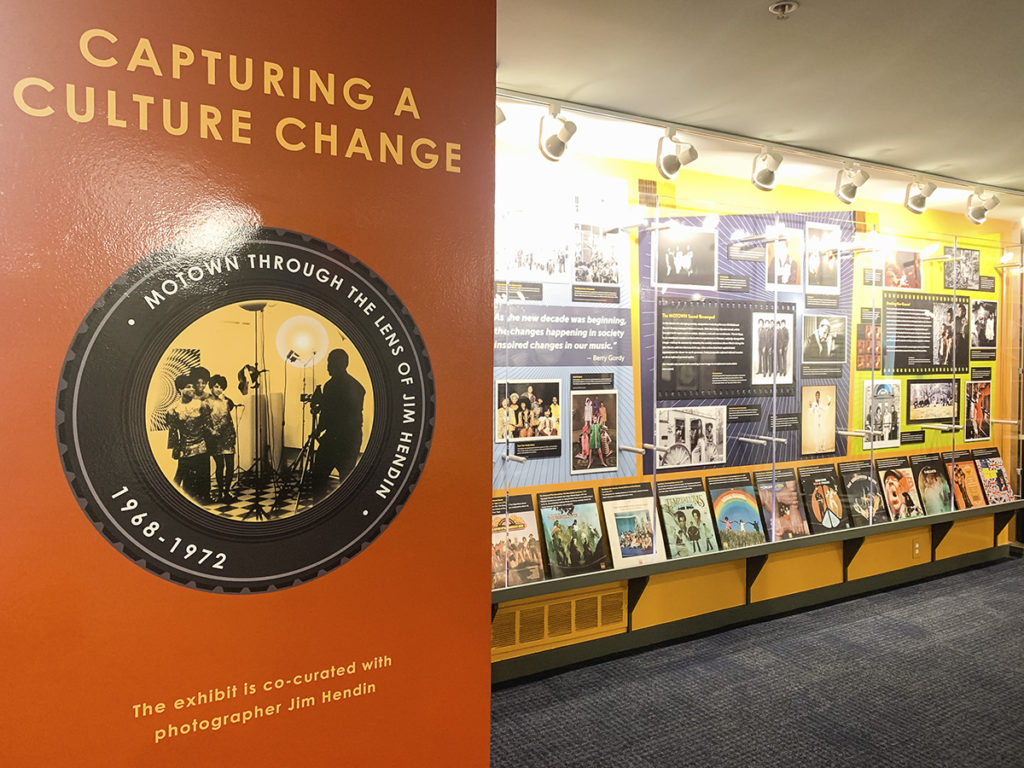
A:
881, 413
824, 339
783, 261
691, 436
983, 324
527, 410
264, 434
597, 257
950, 334
963, 271
931, 400
903, 270
687, 257
822, 260
771, 358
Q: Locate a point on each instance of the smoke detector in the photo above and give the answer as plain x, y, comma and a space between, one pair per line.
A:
781, 10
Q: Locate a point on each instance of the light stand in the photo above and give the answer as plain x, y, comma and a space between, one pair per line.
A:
260, 472
302, 465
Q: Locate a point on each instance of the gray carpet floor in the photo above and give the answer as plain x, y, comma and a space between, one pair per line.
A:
925, 675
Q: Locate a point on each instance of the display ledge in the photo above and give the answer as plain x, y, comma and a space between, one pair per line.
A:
516, 669
852, 538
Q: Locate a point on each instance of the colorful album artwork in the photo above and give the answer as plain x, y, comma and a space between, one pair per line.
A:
631, 524
822, 499
899, 491
516, 556
781, 504
735, 507
687, 517
862, 494
994, 480
573, 536
932, 483
963, 476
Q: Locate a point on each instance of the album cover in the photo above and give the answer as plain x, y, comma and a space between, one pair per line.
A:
690, 527
781, 503
881, 409
899, 490
735, 506
516, 556
692, 436
932, 483
992, 472
861, 493
819, 485
963, 476
633, 536
573, 537
977, 411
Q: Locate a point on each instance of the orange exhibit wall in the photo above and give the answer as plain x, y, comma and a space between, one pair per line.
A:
246, 190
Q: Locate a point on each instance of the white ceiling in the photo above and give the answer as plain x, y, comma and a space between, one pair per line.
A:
930, 85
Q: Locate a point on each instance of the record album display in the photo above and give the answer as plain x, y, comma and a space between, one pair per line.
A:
689, 523
822, 498
735, 506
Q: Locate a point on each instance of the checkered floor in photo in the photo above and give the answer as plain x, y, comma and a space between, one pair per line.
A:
274, 504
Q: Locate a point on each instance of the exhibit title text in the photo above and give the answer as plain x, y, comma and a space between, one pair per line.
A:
143, 111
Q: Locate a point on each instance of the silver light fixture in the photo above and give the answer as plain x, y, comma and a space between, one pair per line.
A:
978, 206
765, 166
916, 198
678, 153
848, 181
552, 146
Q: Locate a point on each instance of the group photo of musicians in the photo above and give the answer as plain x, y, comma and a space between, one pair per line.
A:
258, 410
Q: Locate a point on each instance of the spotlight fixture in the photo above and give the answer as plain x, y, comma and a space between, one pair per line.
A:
848, 181
680, 154
918, 192
499, 115
553, 145
978, 206
765, 166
